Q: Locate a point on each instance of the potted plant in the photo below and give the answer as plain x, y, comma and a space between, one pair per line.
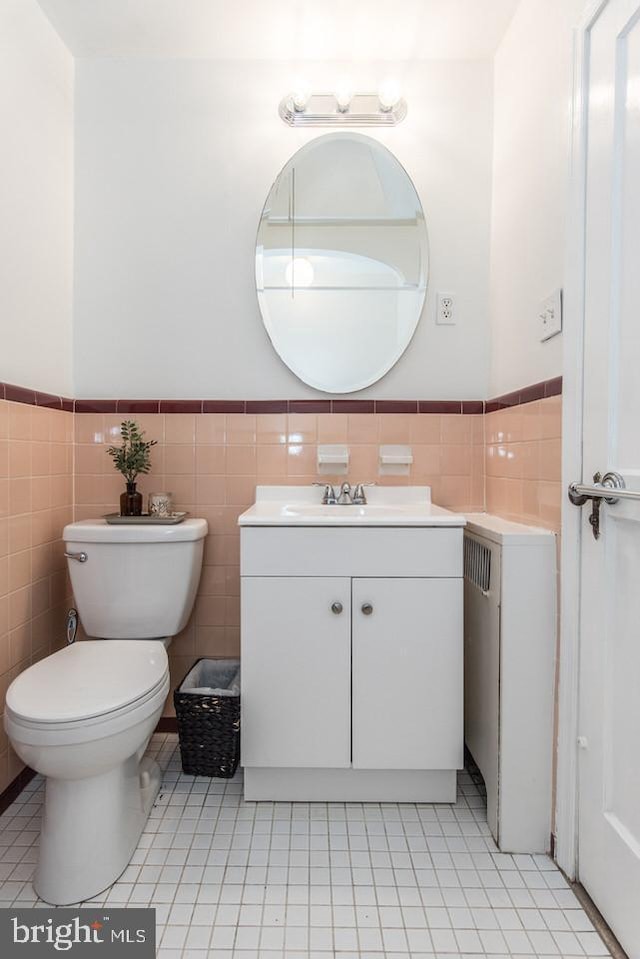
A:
130, 459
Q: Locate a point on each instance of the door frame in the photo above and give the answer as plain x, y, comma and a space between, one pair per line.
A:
572, 416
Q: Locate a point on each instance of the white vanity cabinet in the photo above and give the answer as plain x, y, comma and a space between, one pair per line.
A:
352, 671
296, 681
406, 710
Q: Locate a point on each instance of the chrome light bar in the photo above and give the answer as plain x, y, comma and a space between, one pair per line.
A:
322, 110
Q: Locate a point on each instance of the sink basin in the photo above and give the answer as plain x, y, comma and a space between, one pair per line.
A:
386, 506
372, 511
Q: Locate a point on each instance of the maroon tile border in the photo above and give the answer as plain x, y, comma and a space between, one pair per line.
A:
138, 406
49, 401
180, 406
553, 387
15, 787
266, 406
95, 406
537, 391
531, 393
396, 406
353, 406
310, 406
167, 724
19, 394
440, 406
223, 406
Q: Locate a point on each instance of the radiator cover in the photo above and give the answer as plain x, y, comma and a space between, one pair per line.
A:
510, 647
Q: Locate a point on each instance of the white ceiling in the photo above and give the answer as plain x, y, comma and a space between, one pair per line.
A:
282, 29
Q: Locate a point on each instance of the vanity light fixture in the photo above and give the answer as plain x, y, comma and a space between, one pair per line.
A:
300, 96
389, 94
344, 94
343, 107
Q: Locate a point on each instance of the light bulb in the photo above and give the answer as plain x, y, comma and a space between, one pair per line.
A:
344, 94
389, 93
299, 272
301, 95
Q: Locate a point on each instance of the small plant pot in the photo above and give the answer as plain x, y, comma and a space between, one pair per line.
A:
131, 501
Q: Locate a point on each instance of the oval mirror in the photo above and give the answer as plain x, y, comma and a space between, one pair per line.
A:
341, 262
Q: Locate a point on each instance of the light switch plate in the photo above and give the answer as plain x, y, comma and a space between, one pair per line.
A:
550, 316
445, 309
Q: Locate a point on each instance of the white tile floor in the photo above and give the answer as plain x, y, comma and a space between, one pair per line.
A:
237, 880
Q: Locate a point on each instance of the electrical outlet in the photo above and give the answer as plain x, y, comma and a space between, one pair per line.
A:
550, 316
445, 309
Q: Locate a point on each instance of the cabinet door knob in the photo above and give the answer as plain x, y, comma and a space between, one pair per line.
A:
336, 608
367, 609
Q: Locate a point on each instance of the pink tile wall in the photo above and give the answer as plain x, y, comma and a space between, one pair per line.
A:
36, 500
212, 462
523, 462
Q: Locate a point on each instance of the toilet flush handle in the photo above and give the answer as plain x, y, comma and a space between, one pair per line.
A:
79, 557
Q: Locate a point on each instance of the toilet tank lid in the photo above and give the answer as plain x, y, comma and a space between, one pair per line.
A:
99, 531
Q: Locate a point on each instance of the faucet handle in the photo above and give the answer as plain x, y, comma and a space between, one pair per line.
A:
359, 496
329, 497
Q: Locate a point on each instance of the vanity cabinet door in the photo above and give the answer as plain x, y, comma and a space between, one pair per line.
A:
407, 674
296, 671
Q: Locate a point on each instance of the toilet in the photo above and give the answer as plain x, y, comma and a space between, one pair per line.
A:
83, 716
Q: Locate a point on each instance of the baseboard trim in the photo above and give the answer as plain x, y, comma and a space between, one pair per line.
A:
167, 724
13, 790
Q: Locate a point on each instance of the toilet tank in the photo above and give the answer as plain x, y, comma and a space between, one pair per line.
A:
137, 581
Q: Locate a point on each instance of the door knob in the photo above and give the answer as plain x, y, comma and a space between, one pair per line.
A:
367, 609
336, 608
609, 489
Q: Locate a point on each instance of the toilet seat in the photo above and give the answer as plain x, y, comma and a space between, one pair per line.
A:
87, 679
87, 691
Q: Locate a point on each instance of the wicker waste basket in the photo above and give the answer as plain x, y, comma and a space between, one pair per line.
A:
207, 704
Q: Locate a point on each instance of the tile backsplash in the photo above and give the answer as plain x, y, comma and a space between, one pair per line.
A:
54, 467
211, 462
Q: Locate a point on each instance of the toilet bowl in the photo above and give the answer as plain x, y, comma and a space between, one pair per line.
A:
83, 716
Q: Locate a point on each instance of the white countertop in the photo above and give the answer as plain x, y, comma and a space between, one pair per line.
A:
386, 506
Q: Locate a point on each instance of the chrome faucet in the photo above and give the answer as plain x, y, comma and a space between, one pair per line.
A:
345, 498
348, 495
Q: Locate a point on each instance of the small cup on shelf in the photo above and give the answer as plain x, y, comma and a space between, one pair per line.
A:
160, 504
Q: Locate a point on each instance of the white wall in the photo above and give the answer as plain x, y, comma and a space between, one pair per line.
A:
36, 200
173, 162
532, 93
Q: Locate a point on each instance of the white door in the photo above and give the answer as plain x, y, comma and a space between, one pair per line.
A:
407, 674
296, 671
609, 689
